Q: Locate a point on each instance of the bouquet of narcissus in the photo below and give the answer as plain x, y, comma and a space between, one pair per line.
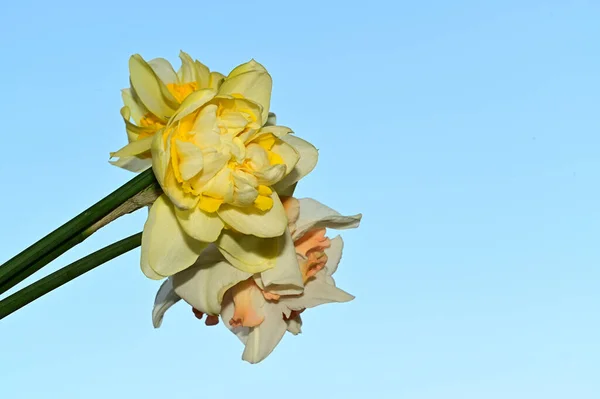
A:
223, 230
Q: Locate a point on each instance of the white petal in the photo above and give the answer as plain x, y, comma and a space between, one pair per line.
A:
263, 339
315, 215
204, 285
307, 162
250, 220
165, 298
166, 248
200, 225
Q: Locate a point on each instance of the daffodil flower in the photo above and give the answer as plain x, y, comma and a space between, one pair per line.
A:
221, 162
259, 308
156, 92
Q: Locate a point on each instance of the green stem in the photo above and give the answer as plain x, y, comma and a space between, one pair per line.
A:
55, 243
62, 276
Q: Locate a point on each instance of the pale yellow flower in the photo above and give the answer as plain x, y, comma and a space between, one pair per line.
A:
221, 162
155, 94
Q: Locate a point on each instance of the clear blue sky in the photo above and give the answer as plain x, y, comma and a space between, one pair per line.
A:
466, 132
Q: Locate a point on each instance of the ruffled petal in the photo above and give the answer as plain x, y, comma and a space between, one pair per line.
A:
315, 215
307, 162
149, 89
166, 248
250, 220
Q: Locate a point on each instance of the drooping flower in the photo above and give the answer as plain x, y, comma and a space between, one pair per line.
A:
156, 92
221, 161
259, 308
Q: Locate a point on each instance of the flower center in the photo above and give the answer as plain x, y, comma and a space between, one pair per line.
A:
181, 91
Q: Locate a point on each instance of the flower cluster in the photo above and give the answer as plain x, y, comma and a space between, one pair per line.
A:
226, 232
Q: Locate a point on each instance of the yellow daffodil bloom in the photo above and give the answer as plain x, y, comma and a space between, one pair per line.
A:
156, 93
221, 163
259, 308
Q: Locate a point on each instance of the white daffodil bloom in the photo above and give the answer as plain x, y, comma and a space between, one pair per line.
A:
259, 308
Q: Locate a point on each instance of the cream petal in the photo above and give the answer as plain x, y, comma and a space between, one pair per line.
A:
220, 186
165, 298
187, 71
132, 163
204, 285
166, 248
250, 220
270, 175
164, 70
294, 325
316, 292
285, 277
288, 153
334, 254
315, 215
249, 253
263, 339
200, 225
307, 162
134, 148
149, 89
252, 81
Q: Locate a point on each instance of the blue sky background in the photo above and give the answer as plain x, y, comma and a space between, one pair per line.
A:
466, 132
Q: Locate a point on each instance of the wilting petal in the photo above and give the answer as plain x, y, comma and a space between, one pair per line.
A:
315, 215
249, 220
151, 91
307, 162
252, 81
198, 224
204, 284
165, 298
166, 248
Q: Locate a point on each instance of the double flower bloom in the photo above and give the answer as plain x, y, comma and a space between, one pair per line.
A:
226, 233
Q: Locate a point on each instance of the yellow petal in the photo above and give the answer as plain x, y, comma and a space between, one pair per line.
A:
138, 110
287, 153
253, 82
166, 248
250, 220
249, 253
215, 81
164, 70
151, 91
192, 103
198, 224
309, 156
161, 155
190, 159
134, 148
